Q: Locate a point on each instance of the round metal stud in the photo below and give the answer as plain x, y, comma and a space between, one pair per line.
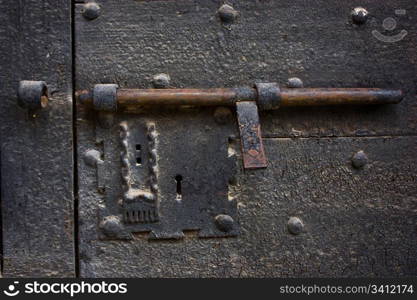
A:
161, 81
295, 82
91, 10
359, 15
359, 160
111, 226
227, 13
92, 157
224, 222
295, 225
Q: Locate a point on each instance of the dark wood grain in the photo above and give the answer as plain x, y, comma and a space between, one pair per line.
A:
36, 148
270, 41
357, 222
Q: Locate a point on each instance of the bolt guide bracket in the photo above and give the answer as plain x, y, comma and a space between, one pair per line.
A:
139, 205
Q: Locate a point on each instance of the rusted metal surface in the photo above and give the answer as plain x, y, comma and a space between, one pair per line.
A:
142, 97
198, 97
268, 99
266, 96
337, 96
269, 96
251, 138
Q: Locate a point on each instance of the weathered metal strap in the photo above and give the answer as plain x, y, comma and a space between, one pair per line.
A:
250, 135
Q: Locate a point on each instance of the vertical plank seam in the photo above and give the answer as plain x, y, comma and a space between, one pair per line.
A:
74, 143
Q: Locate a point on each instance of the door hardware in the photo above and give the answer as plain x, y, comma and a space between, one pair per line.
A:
264, 96
32, 94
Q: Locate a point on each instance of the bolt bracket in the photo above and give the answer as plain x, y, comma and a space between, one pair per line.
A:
105, 97
269, 96
32, 94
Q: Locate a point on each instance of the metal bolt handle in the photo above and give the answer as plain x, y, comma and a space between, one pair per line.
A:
110, 98
247, 100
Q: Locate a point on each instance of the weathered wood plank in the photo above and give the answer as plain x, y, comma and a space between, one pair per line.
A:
354, 219
357, 223
36, 149
271, 40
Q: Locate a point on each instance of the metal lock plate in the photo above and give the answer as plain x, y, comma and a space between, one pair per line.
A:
160, 181
174, 171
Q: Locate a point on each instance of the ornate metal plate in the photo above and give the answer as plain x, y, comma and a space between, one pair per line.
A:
159, 180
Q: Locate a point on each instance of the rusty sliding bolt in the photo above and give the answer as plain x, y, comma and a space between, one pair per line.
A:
229, 97
264, 96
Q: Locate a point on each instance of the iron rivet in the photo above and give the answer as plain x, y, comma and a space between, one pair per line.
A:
161, 81
295, 82
222, 115
295, 225
111, 226
359, 160
224, 222
359, 15
91, 10
92, 158
227, 13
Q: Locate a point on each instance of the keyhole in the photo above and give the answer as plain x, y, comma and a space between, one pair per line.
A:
138, 154
178, 179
